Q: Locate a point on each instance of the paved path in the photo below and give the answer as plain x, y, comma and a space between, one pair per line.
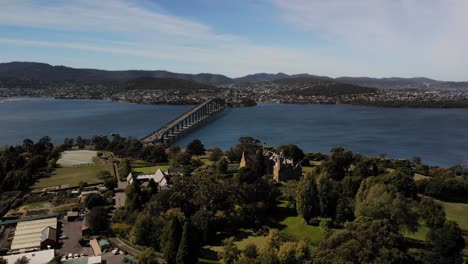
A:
132, 251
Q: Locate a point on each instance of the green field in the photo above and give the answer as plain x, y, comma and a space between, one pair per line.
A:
297, 229
151, 169
457, 212
74, 175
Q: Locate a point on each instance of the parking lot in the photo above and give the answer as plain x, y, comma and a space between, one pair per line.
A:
71, 244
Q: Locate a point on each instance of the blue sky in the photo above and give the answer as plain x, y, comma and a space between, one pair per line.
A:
378, 38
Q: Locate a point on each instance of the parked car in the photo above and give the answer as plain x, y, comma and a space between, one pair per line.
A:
63, 237
77, 255
115, 251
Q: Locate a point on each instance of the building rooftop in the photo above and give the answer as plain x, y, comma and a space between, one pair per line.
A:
29, 234
36, 257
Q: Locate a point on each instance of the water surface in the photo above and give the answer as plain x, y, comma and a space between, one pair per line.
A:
439, 136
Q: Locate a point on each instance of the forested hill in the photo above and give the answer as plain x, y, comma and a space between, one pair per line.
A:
49, 73
19, 72
315, 86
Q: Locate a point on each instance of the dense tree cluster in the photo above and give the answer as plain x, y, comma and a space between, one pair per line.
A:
22, 165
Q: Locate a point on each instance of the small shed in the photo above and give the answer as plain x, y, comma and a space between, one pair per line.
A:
72, 216
105, 245
95, 246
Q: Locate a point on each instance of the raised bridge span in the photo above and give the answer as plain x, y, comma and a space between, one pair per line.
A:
168, 133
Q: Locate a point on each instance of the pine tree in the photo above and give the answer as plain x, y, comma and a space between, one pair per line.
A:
172, 242
188, 248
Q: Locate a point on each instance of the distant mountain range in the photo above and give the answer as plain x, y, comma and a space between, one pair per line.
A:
49, 73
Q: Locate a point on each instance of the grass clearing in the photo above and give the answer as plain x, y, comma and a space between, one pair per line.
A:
297, 229
457, 212
418, 177
151, 169
418, 235
72, 176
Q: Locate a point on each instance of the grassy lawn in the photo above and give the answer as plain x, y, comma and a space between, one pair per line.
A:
38, 205
419, 235
297, 229
418, 177
136, 163
457, 212
307, 169
74, 175
206, 161
151, 169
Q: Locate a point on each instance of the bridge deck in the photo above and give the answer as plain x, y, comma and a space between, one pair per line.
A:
157, 135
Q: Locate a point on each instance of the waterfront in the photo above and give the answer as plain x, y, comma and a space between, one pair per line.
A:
439, 136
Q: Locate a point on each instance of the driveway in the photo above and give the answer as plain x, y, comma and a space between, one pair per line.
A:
71, 244
119, 194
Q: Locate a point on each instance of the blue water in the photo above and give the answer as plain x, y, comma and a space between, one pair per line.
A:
438, 136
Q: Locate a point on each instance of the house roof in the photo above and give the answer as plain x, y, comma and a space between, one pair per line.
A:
29, 234
95, 246
49, 233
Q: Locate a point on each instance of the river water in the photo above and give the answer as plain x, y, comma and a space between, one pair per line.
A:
438, 136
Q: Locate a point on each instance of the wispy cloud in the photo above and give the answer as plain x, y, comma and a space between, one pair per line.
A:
365, 37
431, 32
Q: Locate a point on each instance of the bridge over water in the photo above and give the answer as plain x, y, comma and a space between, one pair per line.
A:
168, 133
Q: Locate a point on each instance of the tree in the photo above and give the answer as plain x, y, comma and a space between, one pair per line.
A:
188, 249
147, 230
230, 253
154, 153
445, 244
22, 260
433, 214
326, 196
110, 183
222, 165
196, 148
379, 200
216, 154
124, 168
152, 187
338, 163
250, 251
364, 241
133, 197
103, 174
307, 204
291, 151
204, 222
148, 256
259, 164
93, 200
98, 219
171, 240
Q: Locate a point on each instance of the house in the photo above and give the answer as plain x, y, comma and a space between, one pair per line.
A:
247, 161
159, 177
72, 216
49, 238
285, 169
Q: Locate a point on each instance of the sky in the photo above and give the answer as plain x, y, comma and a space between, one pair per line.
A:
376, 38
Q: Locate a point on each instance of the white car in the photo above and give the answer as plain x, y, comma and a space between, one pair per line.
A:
115, 251
77, 255
70, 255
